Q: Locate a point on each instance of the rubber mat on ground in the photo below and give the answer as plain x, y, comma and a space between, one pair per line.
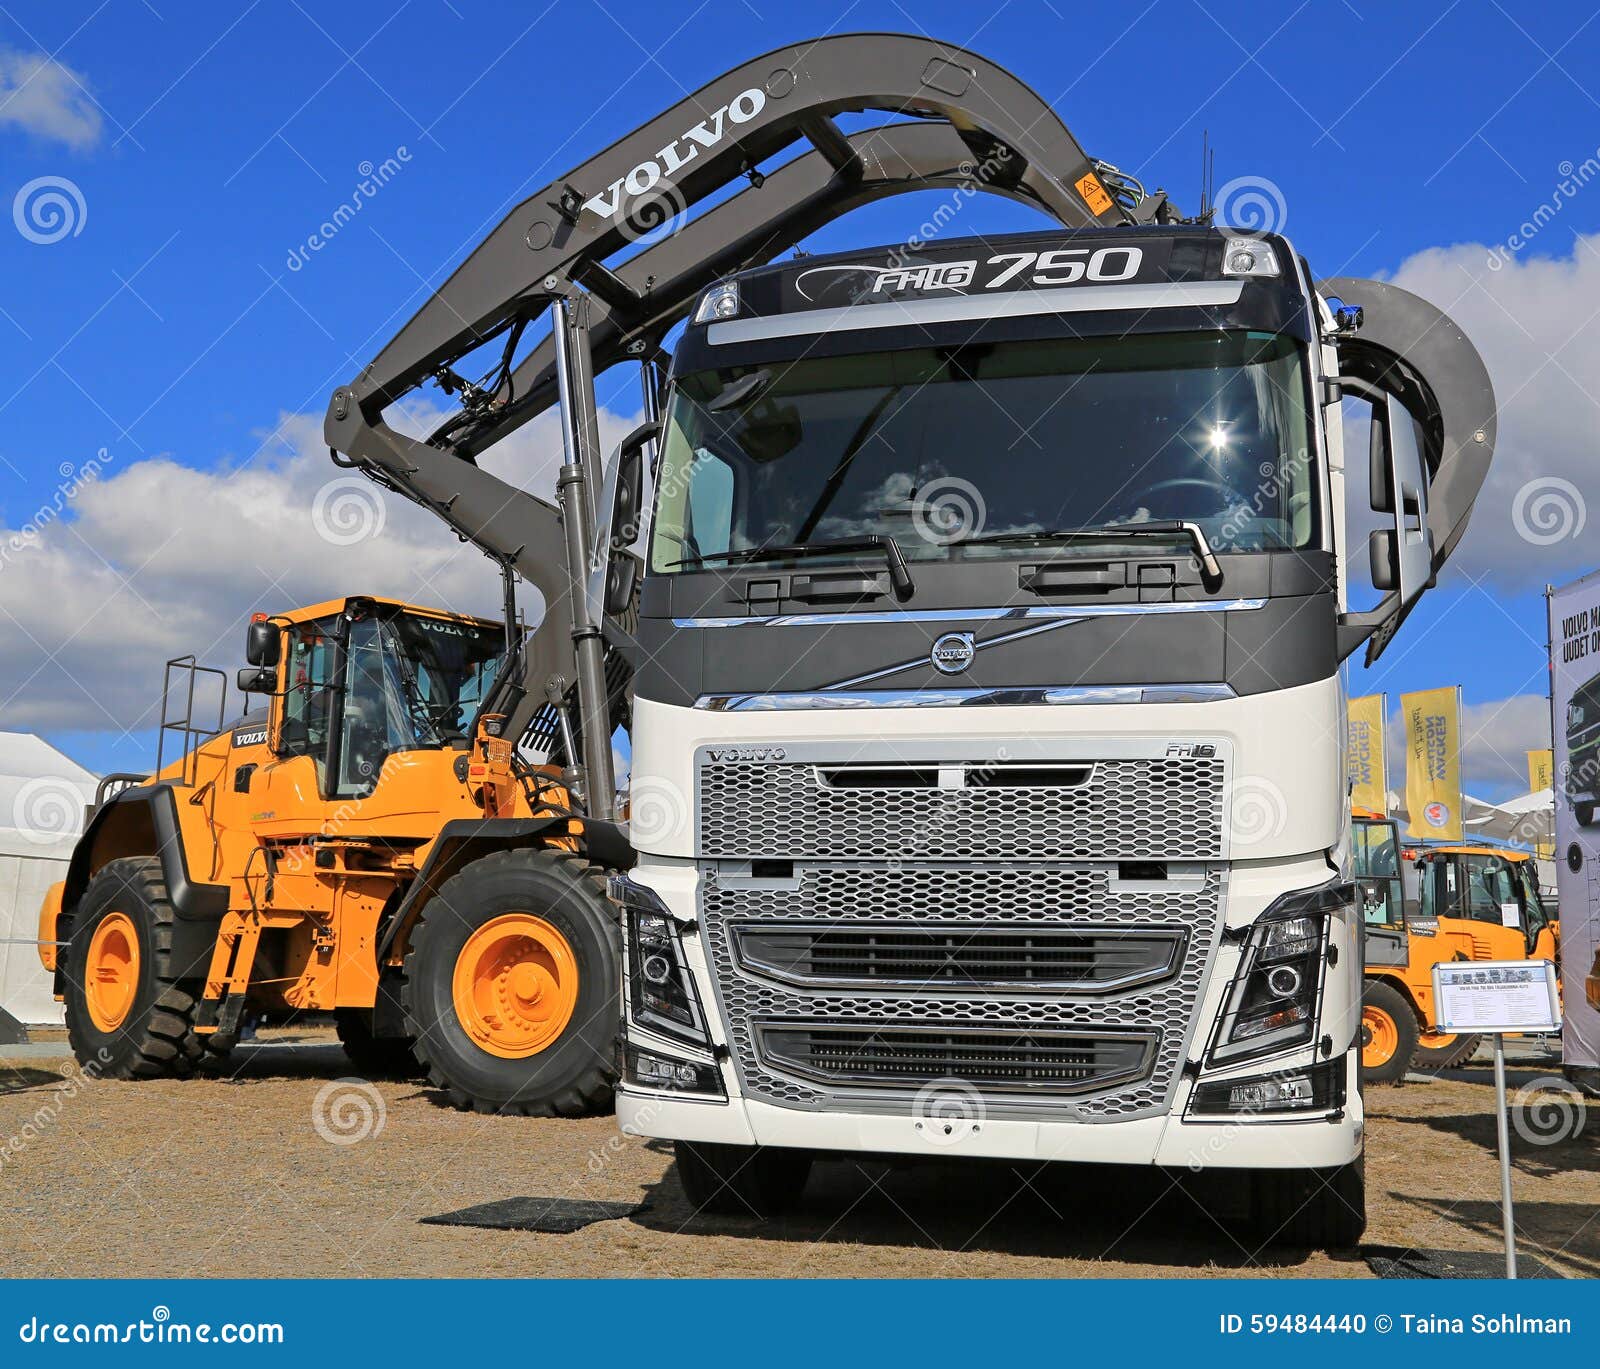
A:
555, 1216
1393, 1262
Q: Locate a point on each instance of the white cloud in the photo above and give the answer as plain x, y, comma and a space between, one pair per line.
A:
161, 559
1536, 320
48, 99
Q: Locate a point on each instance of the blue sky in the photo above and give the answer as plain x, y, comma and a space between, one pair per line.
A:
206, 143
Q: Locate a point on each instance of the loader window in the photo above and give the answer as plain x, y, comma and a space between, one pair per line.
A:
307, 699
410, 683
1491, 890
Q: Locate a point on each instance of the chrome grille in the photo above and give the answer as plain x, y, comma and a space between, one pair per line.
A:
799, 802
966, 956
1011, 898
1039, 1061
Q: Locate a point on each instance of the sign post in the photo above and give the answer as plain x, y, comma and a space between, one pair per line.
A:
1494, 997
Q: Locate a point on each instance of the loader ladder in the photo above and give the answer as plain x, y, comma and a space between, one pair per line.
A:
180, 684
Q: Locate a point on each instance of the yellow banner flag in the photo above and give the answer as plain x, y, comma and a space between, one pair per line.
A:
1365, 765
1541, 770
1433, 762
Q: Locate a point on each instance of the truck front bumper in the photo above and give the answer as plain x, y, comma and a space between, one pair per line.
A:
1171, 1141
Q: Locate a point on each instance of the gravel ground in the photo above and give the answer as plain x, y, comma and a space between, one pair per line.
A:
235, 1177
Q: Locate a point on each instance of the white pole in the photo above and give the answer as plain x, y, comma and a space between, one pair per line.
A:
1505, 1153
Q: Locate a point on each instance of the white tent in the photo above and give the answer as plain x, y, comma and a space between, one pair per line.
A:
42, 799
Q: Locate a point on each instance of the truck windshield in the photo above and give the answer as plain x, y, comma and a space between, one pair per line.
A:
938, 445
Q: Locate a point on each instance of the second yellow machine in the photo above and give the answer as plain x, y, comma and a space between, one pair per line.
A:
366, 844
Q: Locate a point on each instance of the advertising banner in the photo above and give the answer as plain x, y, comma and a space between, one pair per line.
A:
1541, 767
1575, 729
1364, 763
1433, 762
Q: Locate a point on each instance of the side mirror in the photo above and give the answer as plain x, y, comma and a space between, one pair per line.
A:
627, 500
257, 680
629, 493
262, 643
1402, 557
1383, 554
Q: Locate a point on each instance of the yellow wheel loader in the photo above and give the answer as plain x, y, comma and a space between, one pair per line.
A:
364, 843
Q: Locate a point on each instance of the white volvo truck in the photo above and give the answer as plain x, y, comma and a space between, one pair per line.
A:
982, 650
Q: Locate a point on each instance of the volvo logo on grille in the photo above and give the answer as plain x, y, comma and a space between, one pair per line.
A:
745, 753
952, 653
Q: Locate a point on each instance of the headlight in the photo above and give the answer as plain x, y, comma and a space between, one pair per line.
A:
1318, 1088
1272, 1003
661, 994
650, 1070
1248, 257
719, 302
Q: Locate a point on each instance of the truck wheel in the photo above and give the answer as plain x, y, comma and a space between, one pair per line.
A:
1436, 1052
1311, 1209
376, 1057
511, 986
127, 1017
741, 1181
1584, 812
1388, 1033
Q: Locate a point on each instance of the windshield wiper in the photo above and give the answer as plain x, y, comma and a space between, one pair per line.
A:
899, 575
1117, 532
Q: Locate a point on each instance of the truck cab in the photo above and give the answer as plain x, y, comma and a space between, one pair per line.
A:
990, 631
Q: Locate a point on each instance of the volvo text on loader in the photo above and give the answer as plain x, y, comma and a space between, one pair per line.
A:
985, 642
366, 844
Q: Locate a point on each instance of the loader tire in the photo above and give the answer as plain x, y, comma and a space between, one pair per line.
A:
374, 1057
127, 1017
1388, 1033
1445, 1053
511, 986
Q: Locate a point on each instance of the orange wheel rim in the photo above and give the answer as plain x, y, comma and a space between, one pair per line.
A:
1437, 1041
515, 985
111, 971
1380, 1038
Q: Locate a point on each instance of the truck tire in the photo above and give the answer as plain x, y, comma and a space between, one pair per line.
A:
375, 1057
1445, 1052
1584, 812
127, 1017
511, 986
1311, 1209
1388, 1033
741, 1181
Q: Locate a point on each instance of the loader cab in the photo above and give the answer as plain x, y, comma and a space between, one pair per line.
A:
359, 680
1490, 895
